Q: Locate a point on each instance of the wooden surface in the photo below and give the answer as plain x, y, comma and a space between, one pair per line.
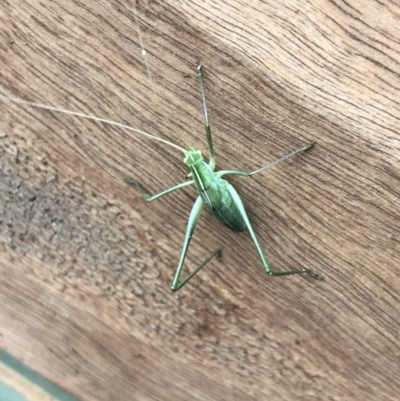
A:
86, 264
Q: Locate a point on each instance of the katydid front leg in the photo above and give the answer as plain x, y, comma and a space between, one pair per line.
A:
206, 120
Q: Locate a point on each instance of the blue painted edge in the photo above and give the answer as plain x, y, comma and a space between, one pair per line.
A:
34, 377
9, 393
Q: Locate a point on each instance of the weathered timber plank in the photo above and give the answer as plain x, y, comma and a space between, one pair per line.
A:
86, 265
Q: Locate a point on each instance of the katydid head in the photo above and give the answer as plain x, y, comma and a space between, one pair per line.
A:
193, 157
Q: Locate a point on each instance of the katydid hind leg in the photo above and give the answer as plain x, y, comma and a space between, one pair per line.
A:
264, 261
206, 120
151, 198
192, 222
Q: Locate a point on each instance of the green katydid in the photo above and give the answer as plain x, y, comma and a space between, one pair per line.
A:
220, 197
217, 194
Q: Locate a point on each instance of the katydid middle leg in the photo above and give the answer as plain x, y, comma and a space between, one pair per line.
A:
267, 166
151, 198
192, 222
242, 210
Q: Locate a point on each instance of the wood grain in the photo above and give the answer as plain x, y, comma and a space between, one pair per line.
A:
86, 265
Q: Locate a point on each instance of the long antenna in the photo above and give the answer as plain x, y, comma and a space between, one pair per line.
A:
14, 99
153, 88
18, 100
149, 74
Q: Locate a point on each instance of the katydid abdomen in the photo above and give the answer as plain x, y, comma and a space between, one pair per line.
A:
220, 203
